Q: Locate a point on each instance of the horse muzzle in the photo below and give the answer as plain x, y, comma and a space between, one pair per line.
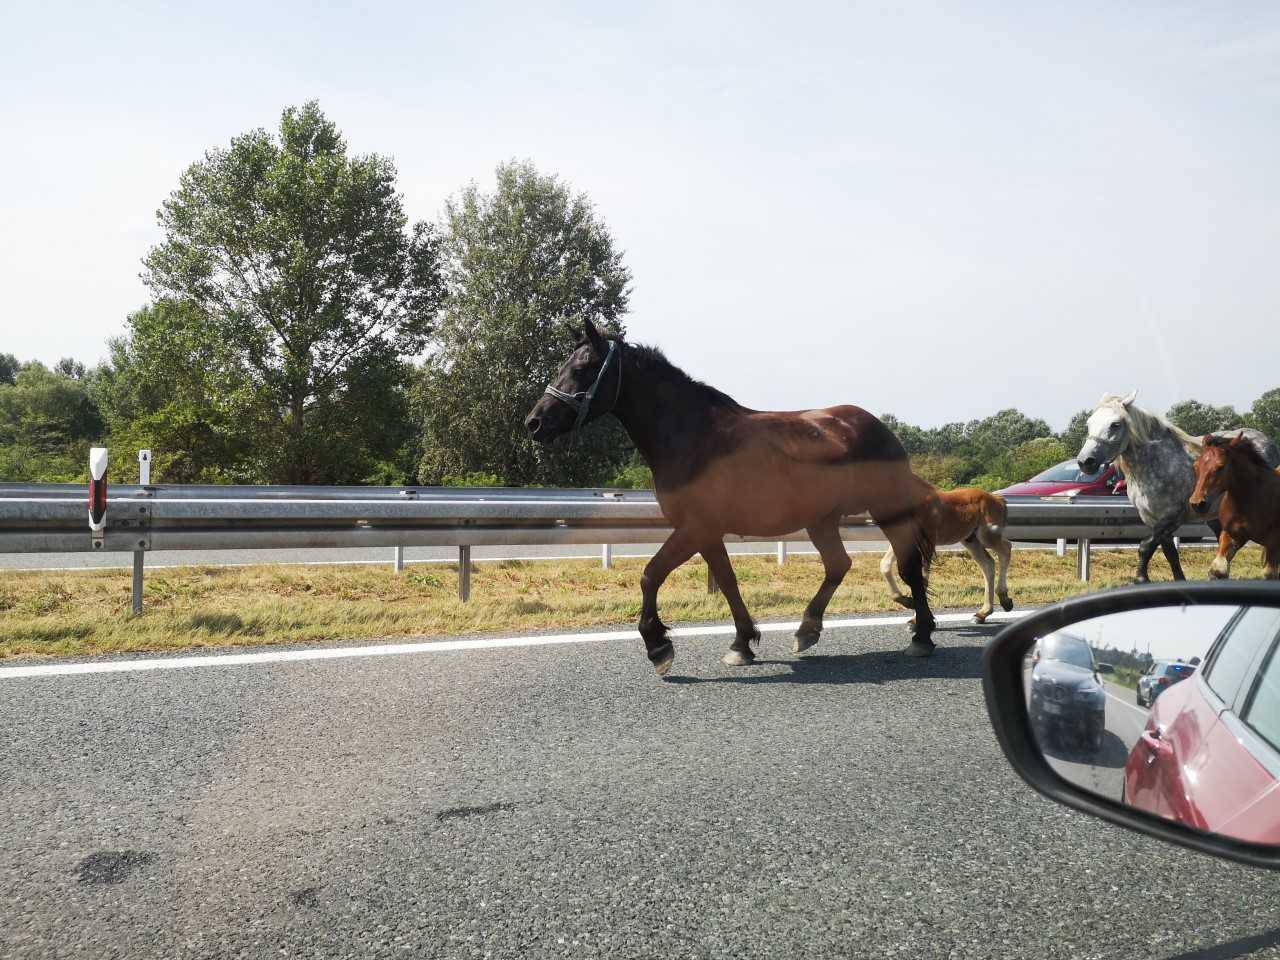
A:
1201, 507
1088, 464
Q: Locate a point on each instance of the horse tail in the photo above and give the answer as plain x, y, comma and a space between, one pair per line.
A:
995, 513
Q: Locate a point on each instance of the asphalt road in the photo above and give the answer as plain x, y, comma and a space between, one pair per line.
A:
560, 800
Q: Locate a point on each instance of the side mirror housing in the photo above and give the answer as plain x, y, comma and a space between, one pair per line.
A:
1078, 750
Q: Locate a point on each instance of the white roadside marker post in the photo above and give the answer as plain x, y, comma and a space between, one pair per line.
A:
144, 480
782, 552
606, 556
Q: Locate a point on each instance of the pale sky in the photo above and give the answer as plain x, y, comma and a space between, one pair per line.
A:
932, 210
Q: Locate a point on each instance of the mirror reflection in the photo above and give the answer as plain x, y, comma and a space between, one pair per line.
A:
1172, 710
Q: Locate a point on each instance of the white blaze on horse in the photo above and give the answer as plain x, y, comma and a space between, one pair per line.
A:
975, 519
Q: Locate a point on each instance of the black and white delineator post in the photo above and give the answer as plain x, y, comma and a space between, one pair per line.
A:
97, 495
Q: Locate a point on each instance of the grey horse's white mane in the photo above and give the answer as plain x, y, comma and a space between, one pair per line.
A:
1144, 426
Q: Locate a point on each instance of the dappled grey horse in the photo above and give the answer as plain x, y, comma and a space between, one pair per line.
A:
1157, 459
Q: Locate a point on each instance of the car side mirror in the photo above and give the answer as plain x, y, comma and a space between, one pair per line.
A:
1089, 746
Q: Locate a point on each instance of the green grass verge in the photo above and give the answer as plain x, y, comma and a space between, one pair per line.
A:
77, 613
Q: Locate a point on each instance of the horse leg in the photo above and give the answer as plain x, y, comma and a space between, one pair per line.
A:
740, 653
911, 567
1171, 554
1271, 562
1145, 549
836, 563
678, 548
887, 563
1004, 554
1220, 569
988, 567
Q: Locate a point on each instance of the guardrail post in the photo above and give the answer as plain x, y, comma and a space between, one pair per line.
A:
398, 560
1062, 546
144, 468
606, 556
782, 552
1082, 558
137, 582
464, 573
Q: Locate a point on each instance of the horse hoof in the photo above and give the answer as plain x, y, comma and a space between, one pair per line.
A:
1006, 603
738, 658
902, 600
805, 639
981, 617
665, 657
1141, 580
920, 648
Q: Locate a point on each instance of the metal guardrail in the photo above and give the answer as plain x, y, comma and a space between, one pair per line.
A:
51, 518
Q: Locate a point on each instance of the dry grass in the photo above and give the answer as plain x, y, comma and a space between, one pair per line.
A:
87, 612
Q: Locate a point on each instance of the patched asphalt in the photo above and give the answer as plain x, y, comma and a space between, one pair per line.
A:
562, 801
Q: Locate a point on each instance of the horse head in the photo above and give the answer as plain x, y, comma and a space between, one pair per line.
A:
1108, 432
587, 387
1213, 467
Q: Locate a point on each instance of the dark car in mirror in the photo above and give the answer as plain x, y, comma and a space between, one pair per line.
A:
1202, 766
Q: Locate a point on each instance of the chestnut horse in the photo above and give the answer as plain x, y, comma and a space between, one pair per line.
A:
1250, 507
720, 468
976, 519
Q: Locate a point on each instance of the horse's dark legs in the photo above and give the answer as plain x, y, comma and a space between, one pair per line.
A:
836, 563
1171, 554
1161, 536
740, 653
678, 548
902, 536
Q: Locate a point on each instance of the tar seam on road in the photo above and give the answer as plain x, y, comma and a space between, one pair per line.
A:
440, 646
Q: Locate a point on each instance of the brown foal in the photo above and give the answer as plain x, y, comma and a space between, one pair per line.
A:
976, 519
1250, 506
720, 468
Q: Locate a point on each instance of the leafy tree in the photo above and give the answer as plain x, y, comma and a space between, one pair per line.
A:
1077, 429
1200, 418
48, 421
1265, 414
70, 368
1004, 430
525, 265
914, 439
172, 387
9, 367
1027, 459
299, 257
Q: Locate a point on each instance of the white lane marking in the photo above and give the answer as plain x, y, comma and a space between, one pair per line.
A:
439, 646
1132, 706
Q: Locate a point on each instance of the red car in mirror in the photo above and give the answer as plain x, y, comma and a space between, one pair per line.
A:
1209, 756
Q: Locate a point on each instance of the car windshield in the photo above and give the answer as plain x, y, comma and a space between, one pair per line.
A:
1179, 670
1067, 649
1066, 472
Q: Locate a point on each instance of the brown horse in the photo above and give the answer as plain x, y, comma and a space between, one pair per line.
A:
1250, 506
720, 468
974, 518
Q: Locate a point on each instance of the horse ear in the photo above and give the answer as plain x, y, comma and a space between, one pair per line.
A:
594, 336
1129, 397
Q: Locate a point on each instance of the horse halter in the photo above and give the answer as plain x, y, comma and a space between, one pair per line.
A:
581, 401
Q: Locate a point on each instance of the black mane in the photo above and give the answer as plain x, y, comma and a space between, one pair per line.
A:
652, 365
